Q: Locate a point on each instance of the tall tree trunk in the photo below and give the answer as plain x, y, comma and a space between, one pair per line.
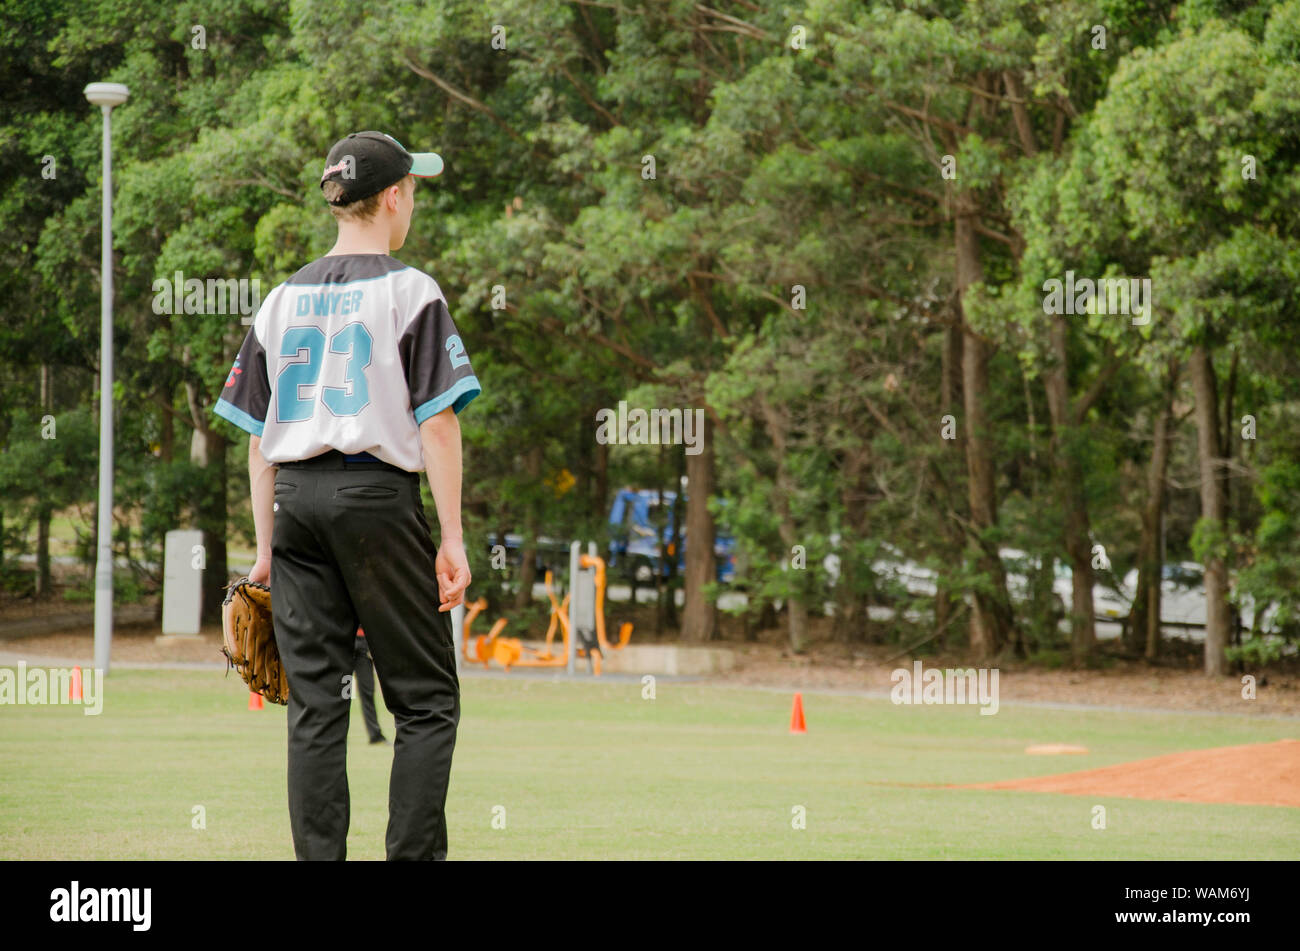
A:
698, 619
661, 548
778, 424
991, 621
671, 618
1083, 624
797, 609
167, 435
1144, 620
798, 612
600, 482
950, 401
528, 567
1070, 493
166, 455
208, 450
44, 584
852, 621
1227, 450
1204, 385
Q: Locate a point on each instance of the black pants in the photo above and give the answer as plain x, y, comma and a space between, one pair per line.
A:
365, 684
352, 546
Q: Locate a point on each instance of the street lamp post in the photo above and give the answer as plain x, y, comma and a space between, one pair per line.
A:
106, 96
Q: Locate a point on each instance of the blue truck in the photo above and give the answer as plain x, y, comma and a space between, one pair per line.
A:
633, 550
634, 537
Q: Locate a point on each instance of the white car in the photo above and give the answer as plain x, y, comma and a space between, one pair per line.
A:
918, 580
914, 578
1183, 601
1182, 592
1107, 602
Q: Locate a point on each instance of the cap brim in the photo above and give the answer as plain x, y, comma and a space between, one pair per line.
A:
426, 164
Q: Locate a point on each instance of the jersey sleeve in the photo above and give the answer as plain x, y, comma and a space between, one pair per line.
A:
438, 371
247, 393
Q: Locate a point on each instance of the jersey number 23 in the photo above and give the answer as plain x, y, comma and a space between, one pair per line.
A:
306, 345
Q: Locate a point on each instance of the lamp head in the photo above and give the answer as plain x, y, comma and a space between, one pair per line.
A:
107, 94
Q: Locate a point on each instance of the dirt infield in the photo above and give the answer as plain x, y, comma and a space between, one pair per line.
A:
1260, 774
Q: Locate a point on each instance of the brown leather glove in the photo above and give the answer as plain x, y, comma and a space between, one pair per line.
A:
250, 640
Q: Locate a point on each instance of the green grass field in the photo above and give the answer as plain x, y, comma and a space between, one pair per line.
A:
591, 771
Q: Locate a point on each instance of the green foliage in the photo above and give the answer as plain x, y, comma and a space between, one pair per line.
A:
1209, 541
48, 462
1272, 572
1256, 652
790, 268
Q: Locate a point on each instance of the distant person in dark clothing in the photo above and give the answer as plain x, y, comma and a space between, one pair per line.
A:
365, 681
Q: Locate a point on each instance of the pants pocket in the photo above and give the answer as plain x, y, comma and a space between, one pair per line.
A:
380, 493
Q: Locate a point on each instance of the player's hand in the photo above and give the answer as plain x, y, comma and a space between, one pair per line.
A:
261, 571
453, 573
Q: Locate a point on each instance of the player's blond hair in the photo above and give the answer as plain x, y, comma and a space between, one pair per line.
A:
364, 209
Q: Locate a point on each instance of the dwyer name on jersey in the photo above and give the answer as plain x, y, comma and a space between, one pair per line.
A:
352, 353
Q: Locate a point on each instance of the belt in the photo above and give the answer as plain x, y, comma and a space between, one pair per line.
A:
333, 459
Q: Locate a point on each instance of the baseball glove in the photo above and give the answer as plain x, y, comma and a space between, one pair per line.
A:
250, 640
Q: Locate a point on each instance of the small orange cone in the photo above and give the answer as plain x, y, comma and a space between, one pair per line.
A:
796, 715
254, 700
74, 688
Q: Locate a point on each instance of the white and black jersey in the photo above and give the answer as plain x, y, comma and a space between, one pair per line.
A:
351, 353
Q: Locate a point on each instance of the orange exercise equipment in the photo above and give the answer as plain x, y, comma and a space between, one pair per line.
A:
510, 652
624, 632
481, 645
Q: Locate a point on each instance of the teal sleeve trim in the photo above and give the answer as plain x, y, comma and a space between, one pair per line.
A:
233, 414
457, 397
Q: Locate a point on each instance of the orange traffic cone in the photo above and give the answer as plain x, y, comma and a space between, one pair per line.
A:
254, 700
74, 688
796, 715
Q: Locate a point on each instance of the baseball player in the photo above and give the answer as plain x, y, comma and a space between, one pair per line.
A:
349, 383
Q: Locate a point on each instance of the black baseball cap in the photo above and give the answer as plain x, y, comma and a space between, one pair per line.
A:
366, 163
